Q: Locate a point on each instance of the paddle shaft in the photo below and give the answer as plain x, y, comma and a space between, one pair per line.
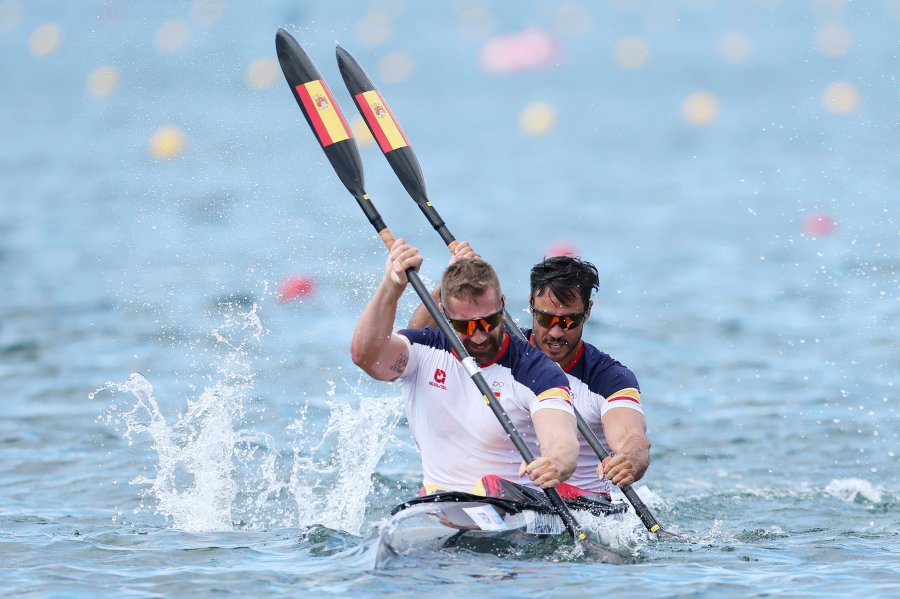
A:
330, 128
477, 377
400, 155
640, 508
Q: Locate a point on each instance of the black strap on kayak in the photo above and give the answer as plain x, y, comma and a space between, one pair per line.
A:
517, 498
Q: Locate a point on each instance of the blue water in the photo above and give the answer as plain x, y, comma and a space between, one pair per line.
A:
170, 428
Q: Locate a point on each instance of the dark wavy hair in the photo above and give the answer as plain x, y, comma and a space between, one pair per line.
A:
565, 276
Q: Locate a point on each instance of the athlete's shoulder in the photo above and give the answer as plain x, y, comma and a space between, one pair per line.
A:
428, 336
603, 373
532, 368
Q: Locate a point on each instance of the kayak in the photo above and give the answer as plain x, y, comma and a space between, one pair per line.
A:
522, 522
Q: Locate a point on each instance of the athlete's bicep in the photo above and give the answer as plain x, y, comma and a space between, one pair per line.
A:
552, 425
392, 360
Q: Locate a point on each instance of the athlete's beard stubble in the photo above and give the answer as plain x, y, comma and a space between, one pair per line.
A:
488, 349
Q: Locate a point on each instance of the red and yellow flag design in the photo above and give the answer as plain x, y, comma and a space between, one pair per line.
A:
562, 393
326, 119
630, 394
381, 121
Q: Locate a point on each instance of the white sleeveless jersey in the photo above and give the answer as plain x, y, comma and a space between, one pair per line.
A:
458, 435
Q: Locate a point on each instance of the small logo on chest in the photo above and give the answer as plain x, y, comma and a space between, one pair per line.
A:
440, 377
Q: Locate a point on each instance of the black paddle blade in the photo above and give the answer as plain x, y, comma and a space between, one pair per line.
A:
385, 129
321, 111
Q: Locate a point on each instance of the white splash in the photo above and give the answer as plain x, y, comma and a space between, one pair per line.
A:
625, 531
194, 482
333, 491
620, 532
212, 473
650, 498
714, 535
852, 489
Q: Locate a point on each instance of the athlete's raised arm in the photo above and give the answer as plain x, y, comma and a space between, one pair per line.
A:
374, 348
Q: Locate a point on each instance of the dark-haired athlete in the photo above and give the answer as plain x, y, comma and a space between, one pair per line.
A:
604, 392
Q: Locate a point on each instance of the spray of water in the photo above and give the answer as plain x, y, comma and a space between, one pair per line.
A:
854, 490
625, 532
194, 483
212, 472
333, 491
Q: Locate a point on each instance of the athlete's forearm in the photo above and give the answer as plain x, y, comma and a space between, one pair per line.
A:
556, 432
636, 448
625, 431
564, 455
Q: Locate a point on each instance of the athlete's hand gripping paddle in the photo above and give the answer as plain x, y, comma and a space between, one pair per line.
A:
331, 130
400, 155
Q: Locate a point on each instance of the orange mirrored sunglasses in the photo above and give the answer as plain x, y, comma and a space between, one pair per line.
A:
469, 326
566, 321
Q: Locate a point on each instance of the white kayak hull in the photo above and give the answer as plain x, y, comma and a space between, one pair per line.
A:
476, 524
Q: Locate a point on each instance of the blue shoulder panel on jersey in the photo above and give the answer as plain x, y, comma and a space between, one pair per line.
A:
531, 367
431, 337
602, 373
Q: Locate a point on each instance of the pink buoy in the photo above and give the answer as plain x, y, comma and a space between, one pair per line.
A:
296, 287
529, 50
819, 224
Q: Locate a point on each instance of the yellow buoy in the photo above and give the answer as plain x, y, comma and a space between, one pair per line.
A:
700, 108
632, 52
538, 118
10, 15
374, 29
103, 81
834, 40
735, 47
361, 131
659, 15
840, 98
262, 73
45, 40
167, 143
573, 20
207, 12
171, 36
395, 67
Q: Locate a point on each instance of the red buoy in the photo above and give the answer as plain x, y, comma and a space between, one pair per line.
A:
819, 224
296, 287
561, 248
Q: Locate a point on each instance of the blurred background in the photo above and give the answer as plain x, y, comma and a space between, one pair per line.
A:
731, 168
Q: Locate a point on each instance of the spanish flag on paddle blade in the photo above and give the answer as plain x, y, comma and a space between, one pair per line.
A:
327, 121
381, 121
